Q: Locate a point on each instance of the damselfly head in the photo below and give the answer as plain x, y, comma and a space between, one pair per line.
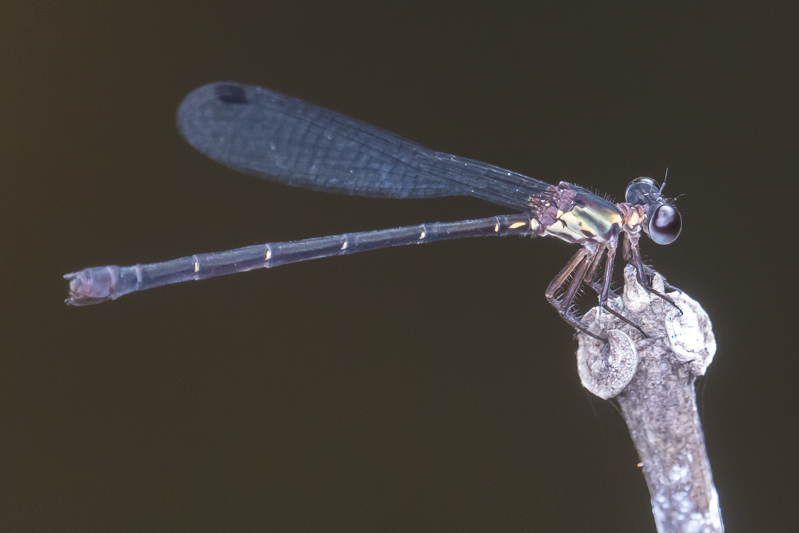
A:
664, 223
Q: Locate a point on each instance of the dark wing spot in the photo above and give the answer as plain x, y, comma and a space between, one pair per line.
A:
230, 93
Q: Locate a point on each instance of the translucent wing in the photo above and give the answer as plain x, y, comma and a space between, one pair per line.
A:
287, 140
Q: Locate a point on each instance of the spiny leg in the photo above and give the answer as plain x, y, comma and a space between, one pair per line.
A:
560, 279
633, 255
582, 260
649, 272
589, 276
605, 290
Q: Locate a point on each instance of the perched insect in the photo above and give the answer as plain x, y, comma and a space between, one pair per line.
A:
286, 140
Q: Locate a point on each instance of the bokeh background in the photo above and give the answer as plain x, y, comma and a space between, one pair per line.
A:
426, 388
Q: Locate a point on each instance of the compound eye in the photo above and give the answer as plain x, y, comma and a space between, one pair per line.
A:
665, 225
642, 191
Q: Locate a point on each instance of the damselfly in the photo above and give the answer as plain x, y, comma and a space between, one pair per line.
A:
286, 140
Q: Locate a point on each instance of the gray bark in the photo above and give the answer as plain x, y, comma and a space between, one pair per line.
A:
653, 380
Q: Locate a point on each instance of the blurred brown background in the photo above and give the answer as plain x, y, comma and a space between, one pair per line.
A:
426, 388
